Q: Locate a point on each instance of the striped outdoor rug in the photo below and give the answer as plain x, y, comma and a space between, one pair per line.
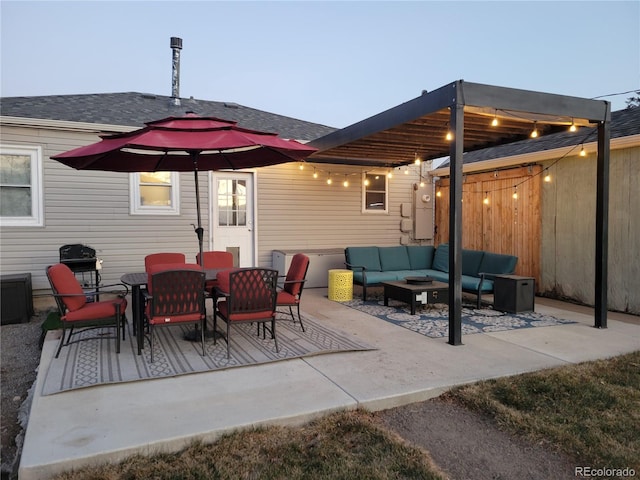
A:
95, 362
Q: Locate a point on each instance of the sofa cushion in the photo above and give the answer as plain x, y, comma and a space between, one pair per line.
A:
394, 258
441, 258
471, 260
374, 278
364, 257
420, 256
497, 263
471, 283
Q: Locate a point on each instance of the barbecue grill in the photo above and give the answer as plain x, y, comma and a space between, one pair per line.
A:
81, 259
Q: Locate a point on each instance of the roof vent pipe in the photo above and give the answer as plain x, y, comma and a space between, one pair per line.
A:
176, 46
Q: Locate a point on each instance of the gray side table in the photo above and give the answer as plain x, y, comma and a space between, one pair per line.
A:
513, 293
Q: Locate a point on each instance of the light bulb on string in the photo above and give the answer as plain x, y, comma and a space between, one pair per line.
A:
515, 192
534, 132
573, 127
406, 170
486, 198
329, 181
583, 153
438, 194
547, 177
494, 122
346, 182
449, 136
390, 174
301, 166
315, 174
416, 159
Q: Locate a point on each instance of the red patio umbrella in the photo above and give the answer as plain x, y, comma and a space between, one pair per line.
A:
184, 144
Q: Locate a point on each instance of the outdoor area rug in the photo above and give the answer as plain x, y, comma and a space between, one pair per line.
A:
433, 320
95, 362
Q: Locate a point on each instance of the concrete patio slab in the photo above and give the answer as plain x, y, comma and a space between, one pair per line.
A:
111, 422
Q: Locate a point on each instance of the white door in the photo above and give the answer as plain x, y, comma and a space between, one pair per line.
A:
233, 216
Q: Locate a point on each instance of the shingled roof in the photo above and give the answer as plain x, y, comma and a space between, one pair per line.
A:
134, 108
623, 124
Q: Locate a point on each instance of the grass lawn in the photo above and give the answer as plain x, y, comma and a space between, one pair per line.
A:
590, 411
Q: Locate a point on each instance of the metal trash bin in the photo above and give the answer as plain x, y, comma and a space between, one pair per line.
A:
340, 285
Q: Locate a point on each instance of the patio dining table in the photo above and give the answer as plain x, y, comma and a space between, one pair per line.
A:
136, 281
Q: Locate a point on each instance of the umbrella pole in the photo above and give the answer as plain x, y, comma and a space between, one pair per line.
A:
199, 229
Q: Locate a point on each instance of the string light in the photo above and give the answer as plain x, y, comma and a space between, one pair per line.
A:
494, 122
301, 166
449, 136
486, 198
573, 127
315, 174
515, 192
329, 181
416, 159
390, 174
366, 181
583, 153
346, 182
438, 194
547, 177
534, 132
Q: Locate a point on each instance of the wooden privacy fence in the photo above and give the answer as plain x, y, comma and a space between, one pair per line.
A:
495, 221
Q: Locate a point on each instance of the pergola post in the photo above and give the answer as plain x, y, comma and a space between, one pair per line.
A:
455, 223
602, 224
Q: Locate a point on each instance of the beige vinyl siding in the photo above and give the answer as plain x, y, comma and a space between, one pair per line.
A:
92, 208
296, 211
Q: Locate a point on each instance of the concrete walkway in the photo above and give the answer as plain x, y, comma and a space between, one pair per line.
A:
109, 423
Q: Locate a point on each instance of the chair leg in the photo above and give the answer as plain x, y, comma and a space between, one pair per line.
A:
118, 326
202, 333
273, 333
300, 318
151, 341
64, 332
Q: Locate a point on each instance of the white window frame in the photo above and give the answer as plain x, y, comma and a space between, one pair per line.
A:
36, 219
136, 208
386, 194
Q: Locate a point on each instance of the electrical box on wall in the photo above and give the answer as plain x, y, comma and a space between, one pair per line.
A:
423, 212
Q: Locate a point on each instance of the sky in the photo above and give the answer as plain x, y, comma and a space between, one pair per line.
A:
330, 62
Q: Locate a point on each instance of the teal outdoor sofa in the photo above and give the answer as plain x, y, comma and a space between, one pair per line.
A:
373, 265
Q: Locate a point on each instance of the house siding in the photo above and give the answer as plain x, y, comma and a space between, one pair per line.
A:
294, 211
92, 208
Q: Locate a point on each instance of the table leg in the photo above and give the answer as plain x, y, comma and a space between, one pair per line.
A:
413, 304
138, 314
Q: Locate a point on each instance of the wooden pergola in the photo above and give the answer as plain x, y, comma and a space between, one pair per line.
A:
418, 127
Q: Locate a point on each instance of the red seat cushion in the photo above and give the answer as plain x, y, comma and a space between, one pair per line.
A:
164, 320
97, 310
253, 316
285, 298
65, 282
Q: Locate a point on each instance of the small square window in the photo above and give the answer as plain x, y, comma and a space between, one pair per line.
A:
374, 193
154, 193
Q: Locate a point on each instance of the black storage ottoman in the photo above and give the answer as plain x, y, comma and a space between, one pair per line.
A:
16, 298
513, 293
